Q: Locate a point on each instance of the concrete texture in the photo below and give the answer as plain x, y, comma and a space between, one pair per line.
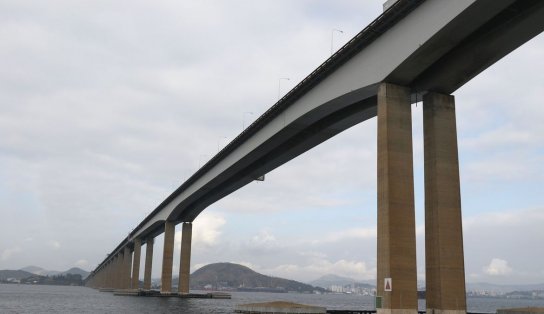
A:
136, 264
185, 258
148, 263
127, 266
167, 257
445, 271
109, 275
118, 271
396, 218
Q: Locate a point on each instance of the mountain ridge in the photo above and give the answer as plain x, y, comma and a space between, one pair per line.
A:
36, 270
230, 276
326, 281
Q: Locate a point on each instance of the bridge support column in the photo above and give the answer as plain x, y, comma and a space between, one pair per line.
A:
396, 217
444, 259
101, 278
148, 263
109, 279
127, 264
119, 271
185, 258
135, 284
167, 257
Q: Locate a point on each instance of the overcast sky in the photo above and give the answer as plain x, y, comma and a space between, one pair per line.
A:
107, 106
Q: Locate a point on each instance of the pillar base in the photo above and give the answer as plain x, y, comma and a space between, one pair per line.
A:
438, 311
396, 311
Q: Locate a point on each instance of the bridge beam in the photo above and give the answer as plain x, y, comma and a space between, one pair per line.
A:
135, 284
396, 217
148, 263
444, 259
167, 257
185, 258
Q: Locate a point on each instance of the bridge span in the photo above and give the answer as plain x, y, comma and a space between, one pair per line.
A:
416, 49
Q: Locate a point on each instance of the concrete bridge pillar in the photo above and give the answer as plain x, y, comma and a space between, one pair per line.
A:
127, 264
119, 271
185, 258
135, 284
396, 217
444, 259
101, 278
148, 263
109, 283
167, 257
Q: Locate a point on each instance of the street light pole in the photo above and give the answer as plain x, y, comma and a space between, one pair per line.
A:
219, 142
279, 85
244, 119
200, 159
332, 38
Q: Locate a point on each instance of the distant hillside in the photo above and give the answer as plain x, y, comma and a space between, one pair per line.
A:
483, 286
233, 276
334, 280
44, 272
76, 271
40, 271
15, 274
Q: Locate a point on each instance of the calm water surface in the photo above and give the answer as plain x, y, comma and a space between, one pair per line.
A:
59, 299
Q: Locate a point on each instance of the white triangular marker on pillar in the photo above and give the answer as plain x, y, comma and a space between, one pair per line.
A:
388, 284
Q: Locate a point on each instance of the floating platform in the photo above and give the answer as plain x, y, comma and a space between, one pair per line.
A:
523, 310
279, 307
156, 293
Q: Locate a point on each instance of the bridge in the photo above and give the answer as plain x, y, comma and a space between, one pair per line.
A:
416, 49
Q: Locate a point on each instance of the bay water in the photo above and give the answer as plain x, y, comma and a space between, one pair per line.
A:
16, 298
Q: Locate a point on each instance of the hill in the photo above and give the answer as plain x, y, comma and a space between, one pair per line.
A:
505, 288
228, 276
44, 272
76, 271
333, 280
14, 274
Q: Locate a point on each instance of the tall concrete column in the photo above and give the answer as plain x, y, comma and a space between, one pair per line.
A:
119, 271
396, 218
444, 259
127, 265
185, 258
148, 263
136, 264
167, 257
109, 283
101, 278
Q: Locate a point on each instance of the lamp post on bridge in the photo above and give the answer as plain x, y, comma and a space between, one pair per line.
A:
334, 30
200, 159
279, 85
219, 142
244, 119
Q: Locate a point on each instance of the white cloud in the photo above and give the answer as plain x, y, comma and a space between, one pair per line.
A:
355, 233
307, 272
497, 267
8, 253
82, 263
207, 229
54, 244
264, 238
